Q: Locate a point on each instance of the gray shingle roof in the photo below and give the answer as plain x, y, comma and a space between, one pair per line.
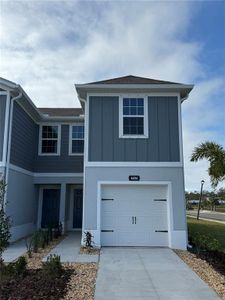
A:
130, 79
61, 112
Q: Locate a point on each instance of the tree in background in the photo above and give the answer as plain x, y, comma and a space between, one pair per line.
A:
4, 221
215, 154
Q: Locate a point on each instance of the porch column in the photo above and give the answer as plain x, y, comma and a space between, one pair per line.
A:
62, 205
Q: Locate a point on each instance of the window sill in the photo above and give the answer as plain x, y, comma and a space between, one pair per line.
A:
133, 137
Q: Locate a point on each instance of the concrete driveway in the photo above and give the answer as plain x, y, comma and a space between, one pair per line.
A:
147, 273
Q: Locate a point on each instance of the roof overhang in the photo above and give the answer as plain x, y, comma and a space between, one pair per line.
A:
84, 89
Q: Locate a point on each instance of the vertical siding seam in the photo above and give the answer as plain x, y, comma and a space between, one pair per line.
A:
157, 123
113, 132
101, 154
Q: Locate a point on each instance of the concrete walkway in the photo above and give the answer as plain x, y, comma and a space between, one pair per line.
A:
68, 250
14, 251
147, 273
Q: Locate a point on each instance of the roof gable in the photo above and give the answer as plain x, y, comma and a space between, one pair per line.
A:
130, 79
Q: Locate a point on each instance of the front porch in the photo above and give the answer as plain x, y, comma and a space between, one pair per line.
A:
60, 204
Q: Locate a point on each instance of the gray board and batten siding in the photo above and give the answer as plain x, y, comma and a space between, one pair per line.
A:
24, 147
162, 145
2, 122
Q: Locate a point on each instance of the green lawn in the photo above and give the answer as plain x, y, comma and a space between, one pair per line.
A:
213, 229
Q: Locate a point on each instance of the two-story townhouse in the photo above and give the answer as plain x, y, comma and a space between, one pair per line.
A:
133, 162
41, 159
131, 170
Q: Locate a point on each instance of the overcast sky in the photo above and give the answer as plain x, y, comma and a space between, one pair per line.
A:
47, 46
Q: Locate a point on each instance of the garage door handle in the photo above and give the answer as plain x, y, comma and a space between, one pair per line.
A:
135, 220
132, 220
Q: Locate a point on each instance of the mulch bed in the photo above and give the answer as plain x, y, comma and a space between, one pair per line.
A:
90, 251
209, 266
35, 285
77, 281
81, 285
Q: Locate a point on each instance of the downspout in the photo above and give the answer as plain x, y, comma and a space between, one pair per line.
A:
9, 143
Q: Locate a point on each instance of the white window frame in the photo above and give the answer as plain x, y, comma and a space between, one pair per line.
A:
40, 153
145, 116
71, 139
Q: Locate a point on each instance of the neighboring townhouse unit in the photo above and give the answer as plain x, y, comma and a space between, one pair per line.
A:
113, 167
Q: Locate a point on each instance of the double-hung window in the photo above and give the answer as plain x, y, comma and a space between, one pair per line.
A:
49, 143
133, 117
76, 140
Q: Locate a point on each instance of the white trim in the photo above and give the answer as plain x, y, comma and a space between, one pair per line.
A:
145, 116
134, 86
40, 153
134, 164
21, 170
2, 164
24, 171
4, 93
160, 183
71, 139
180, 129
5, 140
58, 174
141, 94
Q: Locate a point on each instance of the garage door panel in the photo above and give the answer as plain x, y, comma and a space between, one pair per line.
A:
146, 203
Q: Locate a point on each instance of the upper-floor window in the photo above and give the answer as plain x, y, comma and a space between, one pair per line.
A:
133, 117
76, 140
49, 143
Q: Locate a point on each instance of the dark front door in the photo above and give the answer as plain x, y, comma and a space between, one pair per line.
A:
50, 208
77, 208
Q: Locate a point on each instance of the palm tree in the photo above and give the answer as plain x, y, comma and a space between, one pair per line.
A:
215, 154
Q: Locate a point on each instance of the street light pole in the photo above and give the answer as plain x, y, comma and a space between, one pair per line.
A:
199, 203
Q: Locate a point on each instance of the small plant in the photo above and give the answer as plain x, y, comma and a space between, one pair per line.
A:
58, 230
20, 265
42, 239
50, 234
29, 245
7, 271
53, 265
88, 239
35, 241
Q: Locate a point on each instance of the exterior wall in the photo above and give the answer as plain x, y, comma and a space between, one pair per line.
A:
105, 144
22, 203
165, 174
2, 122
24, 139
24, 147
62, 163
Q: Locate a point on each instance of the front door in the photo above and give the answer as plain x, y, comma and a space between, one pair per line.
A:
77, 208
50, 207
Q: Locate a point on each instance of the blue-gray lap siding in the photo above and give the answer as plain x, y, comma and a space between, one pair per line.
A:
24, 139
63, 163
24, 147
105, 144
2, 122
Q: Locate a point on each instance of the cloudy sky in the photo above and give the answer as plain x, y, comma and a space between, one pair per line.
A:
47, 46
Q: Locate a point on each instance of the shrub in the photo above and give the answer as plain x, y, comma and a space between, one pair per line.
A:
7, 271
5, 223
20, 265
204, 243
53, 265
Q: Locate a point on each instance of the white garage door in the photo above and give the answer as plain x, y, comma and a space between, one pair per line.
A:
134, 215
